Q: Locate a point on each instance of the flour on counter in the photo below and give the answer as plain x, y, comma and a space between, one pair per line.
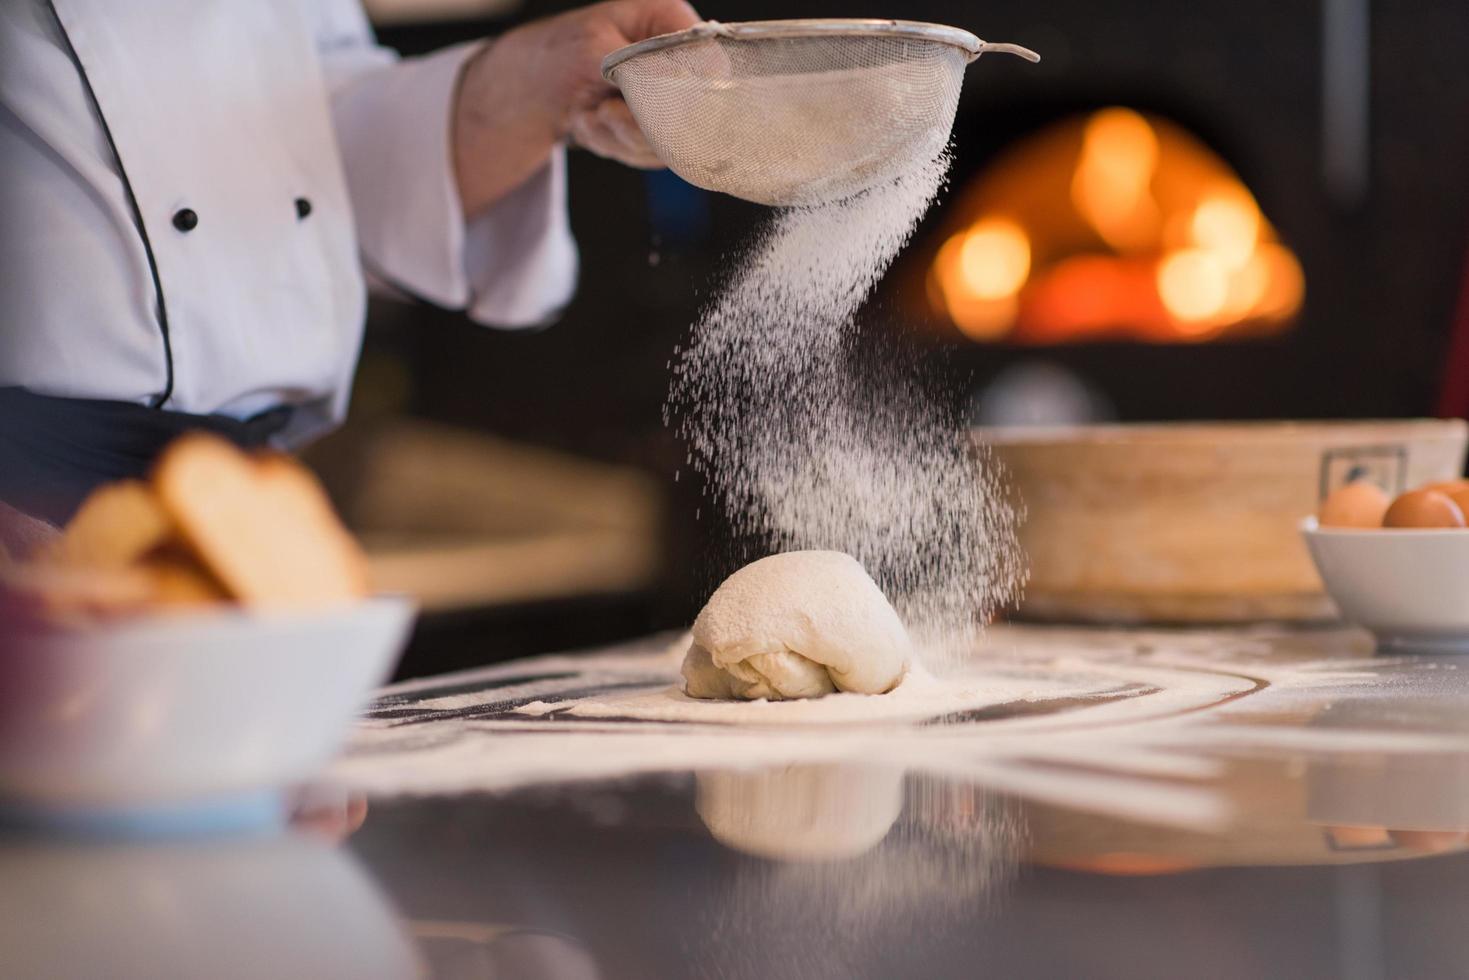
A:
920, 698
1124, 722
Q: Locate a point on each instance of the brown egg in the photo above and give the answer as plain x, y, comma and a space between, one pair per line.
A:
1358, 504
1460, 496
1423, 508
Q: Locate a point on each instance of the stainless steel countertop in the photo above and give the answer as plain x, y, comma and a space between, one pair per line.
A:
1309, 817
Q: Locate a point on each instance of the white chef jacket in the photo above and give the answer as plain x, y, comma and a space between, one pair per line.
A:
191, 190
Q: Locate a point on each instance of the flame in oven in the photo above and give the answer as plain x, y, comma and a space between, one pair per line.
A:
1115, 225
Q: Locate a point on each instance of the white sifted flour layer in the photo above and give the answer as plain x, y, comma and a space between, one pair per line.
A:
920, 697
1131, 723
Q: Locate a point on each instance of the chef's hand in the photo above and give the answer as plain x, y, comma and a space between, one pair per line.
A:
540, 85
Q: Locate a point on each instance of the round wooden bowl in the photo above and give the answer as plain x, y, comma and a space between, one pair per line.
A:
1197, 522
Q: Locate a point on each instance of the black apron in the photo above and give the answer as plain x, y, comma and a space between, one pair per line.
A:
55, 451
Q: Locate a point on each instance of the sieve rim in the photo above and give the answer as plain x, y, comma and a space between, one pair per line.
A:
798, 28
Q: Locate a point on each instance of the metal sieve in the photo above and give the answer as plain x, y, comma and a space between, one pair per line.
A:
797, 112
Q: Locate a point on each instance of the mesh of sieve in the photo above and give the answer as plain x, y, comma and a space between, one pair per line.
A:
799, 111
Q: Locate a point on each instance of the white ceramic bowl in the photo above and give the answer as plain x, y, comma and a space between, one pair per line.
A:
1409, 587
187, 710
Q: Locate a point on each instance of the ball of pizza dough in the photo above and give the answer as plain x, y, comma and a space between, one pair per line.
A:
796, 625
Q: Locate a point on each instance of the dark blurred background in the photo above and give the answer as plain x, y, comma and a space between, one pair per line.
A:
1347, 123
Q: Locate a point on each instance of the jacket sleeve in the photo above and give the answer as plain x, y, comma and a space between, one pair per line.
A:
515, 264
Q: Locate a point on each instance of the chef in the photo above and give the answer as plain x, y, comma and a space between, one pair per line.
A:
194, 195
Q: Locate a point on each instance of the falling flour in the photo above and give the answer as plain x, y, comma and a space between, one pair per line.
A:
806, 446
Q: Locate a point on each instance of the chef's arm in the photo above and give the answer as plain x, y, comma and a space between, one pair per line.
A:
457, 174
529, 91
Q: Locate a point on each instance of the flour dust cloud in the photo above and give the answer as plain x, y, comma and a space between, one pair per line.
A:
804, 446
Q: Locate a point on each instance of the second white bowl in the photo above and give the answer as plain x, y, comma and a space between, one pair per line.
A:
1410, 587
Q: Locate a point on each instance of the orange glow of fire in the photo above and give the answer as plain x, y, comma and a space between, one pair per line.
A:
994, 259
1114, 225
1194, 286
1119, 155
981, 273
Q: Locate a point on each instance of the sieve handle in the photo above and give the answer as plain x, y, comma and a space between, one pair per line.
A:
985, 47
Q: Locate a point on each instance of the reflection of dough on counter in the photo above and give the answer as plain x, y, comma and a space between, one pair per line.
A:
801, 813
796, 625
